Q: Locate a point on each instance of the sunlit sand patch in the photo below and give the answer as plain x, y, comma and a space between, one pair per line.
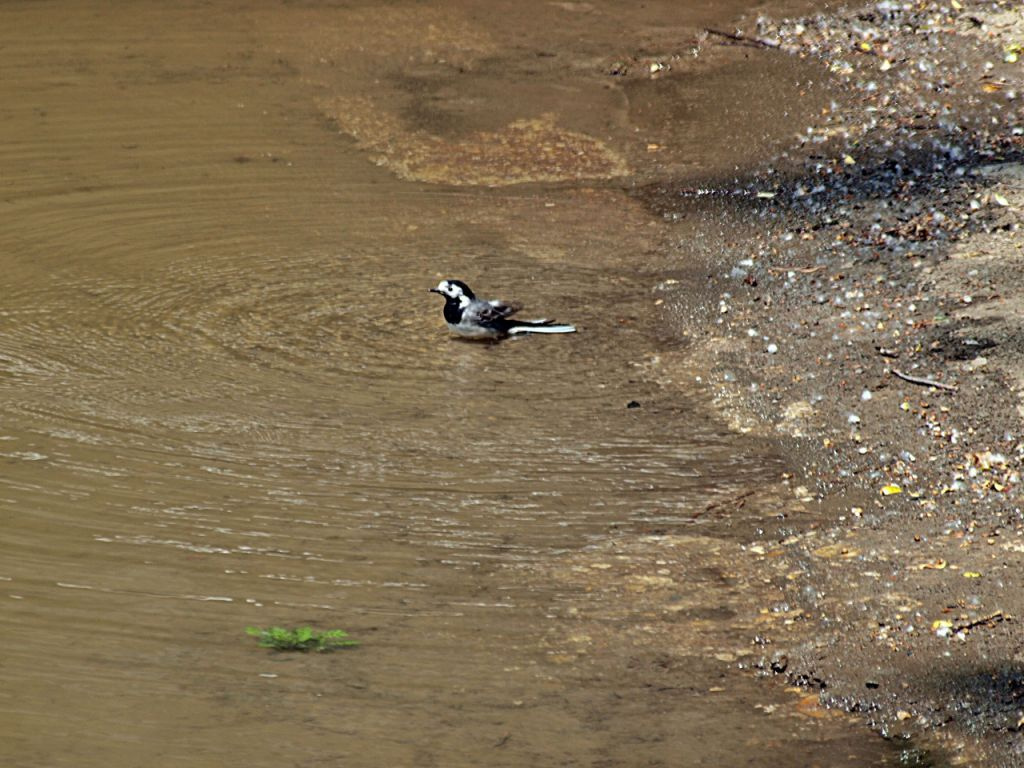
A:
683, 594
535, 150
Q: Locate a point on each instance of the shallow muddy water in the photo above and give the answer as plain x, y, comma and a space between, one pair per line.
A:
227, 399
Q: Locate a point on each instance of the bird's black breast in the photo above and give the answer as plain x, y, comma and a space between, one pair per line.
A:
452, 312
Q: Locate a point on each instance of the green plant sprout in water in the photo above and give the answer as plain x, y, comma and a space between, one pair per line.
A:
301, 639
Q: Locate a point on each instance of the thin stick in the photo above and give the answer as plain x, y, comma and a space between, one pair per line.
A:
741, 38
922, 381
739, 501
802, 270
992, 618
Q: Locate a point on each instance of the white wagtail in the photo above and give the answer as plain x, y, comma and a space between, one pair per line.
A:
467, 315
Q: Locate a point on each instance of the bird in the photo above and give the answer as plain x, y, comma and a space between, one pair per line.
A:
469, 316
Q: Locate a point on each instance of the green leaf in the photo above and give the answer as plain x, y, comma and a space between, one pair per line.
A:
301, 638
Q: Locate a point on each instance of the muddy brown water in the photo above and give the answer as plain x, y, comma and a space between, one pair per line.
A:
227, 399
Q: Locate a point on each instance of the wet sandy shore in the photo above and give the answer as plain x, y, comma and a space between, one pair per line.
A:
871, 320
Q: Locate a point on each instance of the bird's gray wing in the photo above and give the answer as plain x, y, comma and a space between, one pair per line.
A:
491, 312
503, 308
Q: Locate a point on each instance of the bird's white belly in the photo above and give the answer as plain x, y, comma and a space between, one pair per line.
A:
472, 331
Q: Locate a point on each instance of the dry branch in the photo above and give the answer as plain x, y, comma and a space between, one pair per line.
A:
923, 381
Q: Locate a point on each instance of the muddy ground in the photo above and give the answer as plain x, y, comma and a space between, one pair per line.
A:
858, 307
872, 322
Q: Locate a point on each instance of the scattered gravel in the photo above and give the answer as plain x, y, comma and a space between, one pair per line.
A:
873, 323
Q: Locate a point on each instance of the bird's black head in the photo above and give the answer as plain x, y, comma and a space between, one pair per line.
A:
454, 290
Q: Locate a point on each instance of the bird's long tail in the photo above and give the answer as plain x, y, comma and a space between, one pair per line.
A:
538, 326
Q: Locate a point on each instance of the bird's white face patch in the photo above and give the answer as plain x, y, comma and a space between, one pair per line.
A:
449, 288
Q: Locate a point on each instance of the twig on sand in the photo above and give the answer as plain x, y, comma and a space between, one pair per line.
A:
923, 381
738, 501
739, 37
802, 270
992, 618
